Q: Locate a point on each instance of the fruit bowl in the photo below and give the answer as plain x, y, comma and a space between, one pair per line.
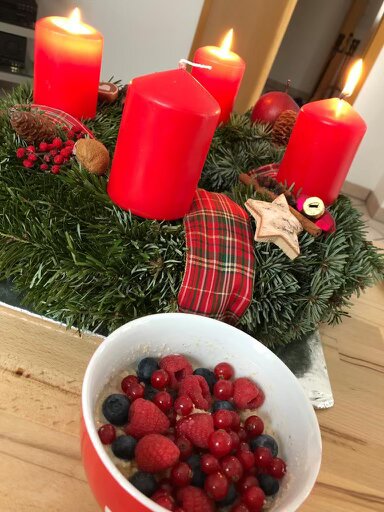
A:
205, 342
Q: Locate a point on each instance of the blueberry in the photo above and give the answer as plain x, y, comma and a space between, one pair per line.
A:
193, 461
146, 367
208, 375
230, 497
150, 392
265, 441
115, 409
144, 482
269, 484
198, 477
222, 404
124, 447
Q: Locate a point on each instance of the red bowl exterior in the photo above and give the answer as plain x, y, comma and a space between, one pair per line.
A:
107, 491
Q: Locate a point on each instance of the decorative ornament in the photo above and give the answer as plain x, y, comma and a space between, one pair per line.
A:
270, 105
92, 155
327, 223
283, 127
276, 224
313, 207
32, 126
108, 92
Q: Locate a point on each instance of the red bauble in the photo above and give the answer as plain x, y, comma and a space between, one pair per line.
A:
270, 105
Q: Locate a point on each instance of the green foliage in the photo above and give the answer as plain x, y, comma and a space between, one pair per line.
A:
77, 258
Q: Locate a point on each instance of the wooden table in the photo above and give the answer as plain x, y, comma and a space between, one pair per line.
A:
42, 367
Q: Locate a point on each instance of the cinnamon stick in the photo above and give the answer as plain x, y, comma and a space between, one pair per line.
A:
308, 225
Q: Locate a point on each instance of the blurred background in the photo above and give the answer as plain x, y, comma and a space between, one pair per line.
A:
312, 43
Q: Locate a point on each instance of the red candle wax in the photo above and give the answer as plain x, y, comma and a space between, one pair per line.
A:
322, 146
167, 126
224, 79
67, 65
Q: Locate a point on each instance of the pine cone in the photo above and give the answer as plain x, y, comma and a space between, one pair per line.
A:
33, 127
283, 126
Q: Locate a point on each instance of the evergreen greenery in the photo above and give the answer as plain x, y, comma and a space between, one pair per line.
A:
77, 258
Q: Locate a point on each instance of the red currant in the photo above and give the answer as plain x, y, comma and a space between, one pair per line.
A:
254, 498
235, 440
58, 159
277, 468
164, 500
209, 464
69, 142
135, 391
246, 457
20, 153
222, 419
185, 446
236, 421
47, 158
44, 167
232, 468
263, 457
242, 434
223, 371
107, 433
254, 426
246, 482
55, 169
27, 163
220, 443
183, 405
43, 146
163, 400
31, 149
57, 142
223, 389
160, 379
32, 157
216, 486
127, 382
181, 474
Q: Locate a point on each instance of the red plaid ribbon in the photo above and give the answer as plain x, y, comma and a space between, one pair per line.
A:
220, 266
269, 170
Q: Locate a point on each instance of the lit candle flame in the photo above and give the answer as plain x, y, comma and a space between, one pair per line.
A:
227, 42
352, 79
73, 23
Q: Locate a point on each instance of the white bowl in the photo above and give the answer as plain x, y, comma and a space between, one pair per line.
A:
287, 412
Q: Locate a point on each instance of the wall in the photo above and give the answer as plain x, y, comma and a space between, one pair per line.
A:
140, 36
311, 34
368, 167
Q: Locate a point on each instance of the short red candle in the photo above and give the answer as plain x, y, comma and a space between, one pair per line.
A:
168, 123
224, 79
323, 143
67, 65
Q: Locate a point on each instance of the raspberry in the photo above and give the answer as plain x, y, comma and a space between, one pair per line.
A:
245, 394
197, 428
178, 368
155, 452
194, 499
146, 418
197, 389
20, 153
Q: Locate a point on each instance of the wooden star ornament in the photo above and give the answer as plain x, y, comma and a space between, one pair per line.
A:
276, 224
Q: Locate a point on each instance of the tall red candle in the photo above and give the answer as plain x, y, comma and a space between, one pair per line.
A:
224, 78
322, 146
67, 65
167, 126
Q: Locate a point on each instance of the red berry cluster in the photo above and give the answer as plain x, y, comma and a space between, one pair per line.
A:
50, 156
192, 438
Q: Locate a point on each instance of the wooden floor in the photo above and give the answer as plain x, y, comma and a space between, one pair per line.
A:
42, 366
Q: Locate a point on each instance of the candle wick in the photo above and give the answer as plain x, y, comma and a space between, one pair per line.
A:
342, 95
183, 64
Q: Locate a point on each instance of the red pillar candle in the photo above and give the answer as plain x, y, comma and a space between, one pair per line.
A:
67, 65
223, 80
167, 126
322, 146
